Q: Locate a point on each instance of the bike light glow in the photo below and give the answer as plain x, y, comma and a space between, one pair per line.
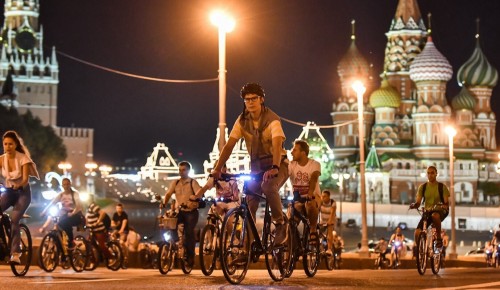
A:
289, 197
246, 177
53, 210
166, 236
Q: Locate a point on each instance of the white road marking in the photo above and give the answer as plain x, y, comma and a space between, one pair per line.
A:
77, 281
471, 286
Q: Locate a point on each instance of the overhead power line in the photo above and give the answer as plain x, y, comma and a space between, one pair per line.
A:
133, 75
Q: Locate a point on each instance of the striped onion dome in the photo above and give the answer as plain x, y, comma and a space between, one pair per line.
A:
477, 71
463, 101
385, 96
430, 65
353, 64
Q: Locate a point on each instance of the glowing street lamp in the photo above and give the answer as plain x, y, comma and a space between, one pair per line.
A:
360, 89
105, 170
451, 134
91, 167
65, 166
225, 23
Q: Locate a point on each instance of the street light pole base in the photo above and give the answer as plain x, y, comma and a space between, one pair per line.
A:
364, 253
452, 256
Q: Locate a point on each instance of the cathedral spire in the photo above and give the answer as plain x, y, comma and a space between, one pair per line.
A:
407, 16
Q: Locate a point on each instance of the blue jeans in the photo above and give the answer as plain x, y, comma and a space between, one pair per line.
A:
19, 200
189, 219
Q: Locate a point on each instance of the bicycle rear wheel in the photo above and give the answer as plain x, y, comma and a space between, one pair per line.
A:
235, 246
26, 248
93, 256
48, 253
291, 255
208, 249
435, 260
421, 256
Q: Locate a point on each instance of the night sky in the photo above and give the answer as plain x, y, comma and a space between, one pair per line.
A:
291, 47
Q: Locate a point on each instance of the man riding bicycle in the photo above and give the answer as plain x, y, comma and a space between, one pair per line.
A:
304, 176
264, 137
435, 194
185, 189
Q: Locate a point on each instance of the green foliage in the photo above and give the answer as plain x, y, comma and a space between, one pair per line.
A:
319, 152
46, 148
490, 188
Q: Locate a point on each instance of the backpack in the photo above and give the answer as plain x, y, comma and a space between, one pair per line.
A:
441, 195
107, 221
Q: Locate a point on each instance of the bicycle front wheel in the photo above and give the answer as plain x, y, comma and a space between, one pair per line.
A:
421, 253
114, 262
235, 246
79, 256
310, 260
165, 258
435, 260
48, 253
277, 257
208, 249
26, 248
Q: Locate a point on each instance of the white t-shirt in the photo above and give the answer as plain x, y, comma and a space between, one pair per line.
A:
300, 176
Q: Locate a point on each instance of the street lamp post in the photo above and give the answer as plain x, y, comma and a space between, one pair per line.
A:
65, 167
360, 89
225, 23
451, 134
90, 174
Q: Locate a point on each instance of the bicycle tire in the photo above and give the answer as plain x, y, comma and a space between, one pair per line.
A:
48, 253
93, 256
165, 258
145, 258
274, 255
435, 260
421, 256
310, 259
292, 257
235, 246
329, 259
208, 249
185, 267
26, 246
116, 262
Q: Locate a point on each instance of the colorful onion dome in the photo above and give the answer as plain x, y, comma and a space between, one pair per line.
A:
353, 64
385, 96
430, 65
477, 71
463, 101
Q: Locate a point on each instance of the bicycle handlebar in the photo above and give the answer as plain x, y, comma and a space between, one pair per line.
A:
241, 176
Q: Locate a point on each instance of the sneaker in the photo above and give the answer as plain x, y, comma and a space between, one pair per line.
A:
329, 252
15, 259
281, 234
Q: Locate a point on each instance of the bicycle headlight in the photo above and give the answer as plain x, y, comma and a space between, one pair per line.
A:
167, 236
53, 210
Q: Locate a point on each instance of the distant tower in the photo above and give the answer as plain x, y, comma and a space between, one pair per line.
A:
479, 77
353, 66
431, 71
35, 75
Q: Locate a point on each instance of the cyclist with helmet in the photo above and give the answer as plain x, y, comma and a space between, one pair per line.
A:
263, 134
435, 194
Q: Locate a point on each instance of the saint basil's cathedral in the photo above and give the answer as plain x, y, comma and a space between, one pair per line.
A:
406, 115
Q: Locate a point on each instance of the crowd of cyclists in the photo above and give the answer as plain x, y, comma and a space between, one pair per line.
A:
262, 132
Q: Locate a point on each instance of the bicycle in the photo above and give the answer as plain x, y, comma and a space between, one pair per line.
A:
397, 249
426, 248
209, 248
54, 249
301, 245
331, 261
94, 254
239, 227
381, 262
148, 255
172, 244
25, 242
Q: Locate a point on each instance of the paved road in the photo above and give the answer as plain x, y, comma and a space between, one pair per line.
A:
449, 278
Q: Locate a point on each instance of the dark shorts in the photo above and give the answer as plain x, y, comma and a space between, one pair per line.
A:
442, 214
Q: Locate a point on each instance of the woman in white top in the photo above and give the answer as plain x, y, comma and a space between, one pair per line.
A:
17, 167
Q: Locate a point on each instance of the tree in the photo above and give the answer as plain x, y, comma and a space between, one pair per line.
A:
46, 148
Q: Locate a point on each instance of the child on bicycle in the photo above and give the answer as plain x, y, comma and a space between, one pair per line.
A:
227, 193
328, 217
